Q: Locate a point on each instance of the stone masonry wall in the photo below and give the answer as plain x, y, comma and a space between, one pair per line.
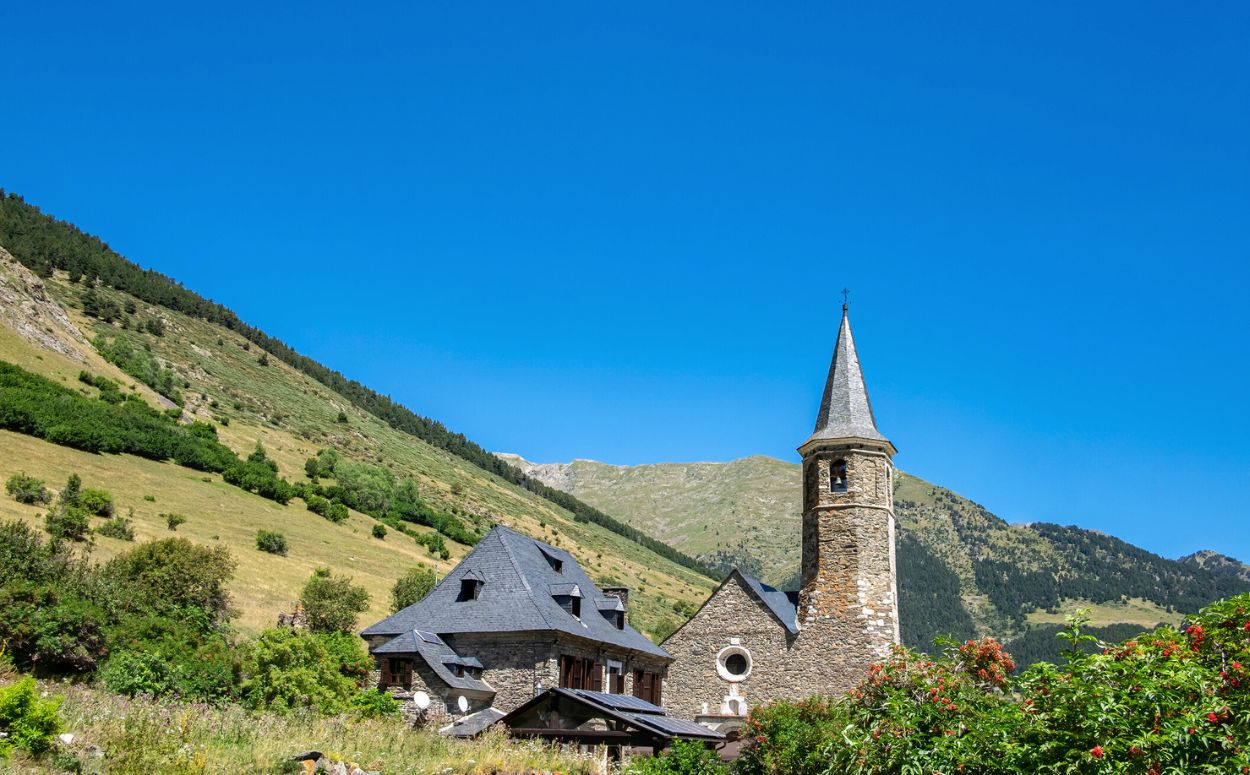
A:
732, 613
849, 592
513, 665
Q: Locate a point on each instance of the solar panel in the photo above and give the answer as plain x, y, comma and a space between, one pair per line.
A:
674, 726
620, 701
429, 637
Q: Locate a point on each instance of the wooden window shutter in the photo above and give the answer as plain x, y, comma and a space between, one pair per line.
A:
385, 665
596, 677
657, 689
566, 672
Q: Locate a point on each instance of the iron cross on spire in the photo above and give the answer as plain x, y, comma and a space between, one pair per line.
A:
845, 295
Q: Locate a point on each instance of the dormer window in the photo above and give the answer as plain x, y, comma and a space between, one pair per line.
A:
837, 476
556, 563
620, 620
470, 589
568, 597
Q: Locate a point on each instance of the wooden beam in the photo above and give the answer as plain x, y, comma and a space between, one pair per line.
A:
578, 733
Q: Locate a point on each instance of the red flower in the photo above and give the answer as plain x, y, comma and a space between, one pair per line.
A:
1214, 719
1096, 751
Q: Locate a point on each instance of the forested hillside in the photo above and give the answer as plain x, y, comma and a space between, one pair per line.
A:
962, 569
188, 417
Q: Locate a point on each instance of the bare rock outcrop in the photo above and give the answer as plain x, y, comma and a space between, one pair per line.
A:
26, 308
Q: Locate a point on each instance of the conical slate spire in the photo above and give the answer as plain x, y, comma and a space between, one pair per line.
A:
845, 411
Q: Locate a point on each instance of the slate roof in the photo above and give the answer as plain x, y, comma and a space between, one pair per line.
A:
845, 411
473, 724
783, 605
631, 710
516, 596
439, 656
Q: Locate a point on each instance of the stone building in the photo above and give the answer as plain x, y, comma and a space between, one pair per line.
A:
750, 643
516, 617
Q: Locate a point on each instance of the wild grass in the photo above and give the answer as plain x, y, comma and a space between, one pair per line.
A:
118, 736
1134, 611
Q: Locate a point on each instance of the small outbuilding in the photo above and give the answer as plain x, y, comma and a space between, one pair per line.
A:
618, 722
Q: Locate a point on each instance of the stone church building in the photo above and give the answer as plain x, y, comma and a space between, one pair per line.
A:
750, 643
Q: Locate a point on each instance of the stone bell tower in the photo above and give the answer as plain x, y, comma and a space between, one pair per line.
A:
848, 603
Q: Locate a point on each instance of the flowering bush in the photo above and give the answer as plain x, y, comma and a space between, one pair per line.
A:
1169, 701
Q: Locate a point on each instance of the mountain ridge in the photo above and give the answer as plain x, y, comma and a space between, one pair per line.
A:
1008, 579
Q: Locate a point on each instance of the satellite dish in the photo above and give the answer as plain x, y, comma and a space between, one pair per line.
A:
462, 703
422, 700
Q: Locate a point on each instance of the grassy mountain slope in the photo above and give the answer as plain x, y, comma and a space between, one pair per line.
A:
962, 569
222, 380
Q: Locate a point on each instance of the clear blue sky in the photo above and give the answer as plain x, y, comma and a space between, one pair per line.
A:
618, 230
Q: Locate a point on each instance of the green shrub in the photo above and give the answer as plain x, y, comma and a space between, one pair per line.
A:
342, 418
412, 587
1166, 701
259, 474
683, 757
24, 556
172, 575
27, 722
271, 541
434, 544
97, 502
287, 669
374, 703
136, 672
120, 528
376, 491
335, 512
68, 523
39, 407
332, 603
172, 520
28, 490
184, 656
379, 530
135, 357
72, 490
110, 391
49, 628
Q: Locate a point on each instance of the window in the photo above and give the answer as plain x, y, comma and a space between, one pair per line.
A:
580, 673
620, 620
837, 476
575, 606
470, 589
733, 663
616, 678
556, 563
647, 686
396, 672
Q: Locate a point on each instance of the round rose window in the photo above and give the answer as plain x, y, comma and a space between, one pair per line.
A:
733, 663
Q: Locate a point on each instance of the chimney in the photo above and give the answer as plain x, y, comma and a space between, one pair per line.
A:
621, 592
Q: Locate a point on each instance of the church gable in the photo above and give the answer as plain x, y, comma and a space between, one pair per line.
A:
735, 641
